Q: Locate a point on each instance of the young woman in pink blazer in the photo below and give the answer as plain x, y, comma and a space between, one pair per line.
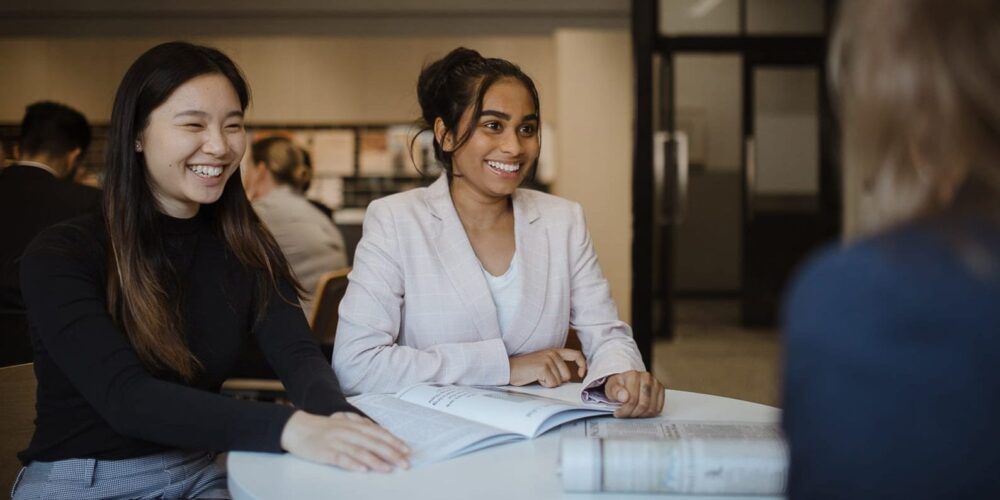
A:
473, 281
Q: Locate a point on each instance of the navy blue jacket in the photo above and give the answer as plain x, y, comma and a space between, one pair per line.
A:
892, 374
31, 200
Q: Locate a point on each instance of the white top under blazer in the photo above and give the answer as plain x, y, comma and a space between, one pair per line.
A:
418, 308
506, 292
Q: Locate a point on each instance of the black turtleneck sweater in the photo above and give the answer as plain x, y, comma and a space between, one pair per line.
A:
97, 400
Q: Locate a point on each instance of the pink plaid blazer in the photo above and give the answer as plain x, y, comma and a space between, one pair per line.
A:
418, 308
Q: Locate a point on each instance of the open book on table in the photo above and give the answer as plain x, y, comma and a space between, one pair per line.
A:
443, 421
661, 456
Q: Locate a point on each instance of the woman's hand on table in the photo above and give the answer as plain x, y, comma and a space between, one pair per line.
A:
640, 394
344, 439
547, 367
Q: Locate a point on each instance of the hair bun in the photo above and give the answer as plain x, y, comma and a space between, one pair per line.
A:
437, 80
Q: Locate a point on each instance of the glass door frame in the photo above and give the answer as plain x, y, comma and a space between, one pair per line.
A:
826, 213
652, 321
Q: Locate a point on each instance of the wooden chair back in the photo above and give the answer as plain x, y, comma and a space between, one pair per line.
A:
329, 292
573, 342
255, 389
15, 343
17, 418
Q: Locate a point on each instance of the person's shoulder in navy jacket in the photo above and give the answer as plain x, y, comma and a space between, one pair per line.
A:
892, 378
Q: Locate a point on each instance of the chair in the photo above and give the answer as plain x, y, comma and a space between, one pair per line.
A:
255, 389
573, 342
17, 415
15, 342
329, 292
326, 304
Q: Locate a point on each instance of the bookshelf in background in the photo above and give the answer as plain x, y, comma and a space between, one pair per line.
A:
353, 164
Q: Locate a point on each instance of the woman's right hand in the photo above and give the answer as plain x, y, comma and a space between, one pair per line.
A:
344, 439
547, 367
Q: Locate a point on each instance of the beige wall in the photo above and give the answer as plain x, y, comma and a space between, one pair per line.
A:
299, 80
594, 77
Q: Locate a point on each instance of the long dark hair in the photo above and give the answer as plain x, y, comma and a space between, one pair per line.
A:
450, 85
140, 276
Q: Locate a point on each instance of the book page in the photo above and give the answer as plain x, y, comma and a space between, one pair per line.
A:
432, 436
526, 414
658, 456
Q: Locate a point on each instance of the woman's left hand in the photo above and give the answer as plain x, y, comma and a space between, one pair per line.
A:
640, 394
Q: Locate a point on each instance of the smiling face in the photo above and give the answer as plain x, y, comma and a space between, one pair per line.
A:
503, 145
193, 143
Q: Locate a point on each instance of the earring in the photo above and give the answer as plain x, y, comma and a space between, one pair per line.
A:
138, 146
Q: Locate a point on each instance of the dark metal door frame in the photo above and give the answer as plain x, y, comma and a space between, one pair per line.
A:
649, 324
764, 278
643, 34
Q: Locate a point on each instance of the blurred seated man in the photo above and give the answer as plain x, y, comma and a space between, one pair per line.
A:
892, 380
36, 192
309, 239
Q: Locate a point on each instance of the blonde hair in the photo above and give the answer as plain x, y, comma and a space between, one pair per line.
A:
918, 89
283, 160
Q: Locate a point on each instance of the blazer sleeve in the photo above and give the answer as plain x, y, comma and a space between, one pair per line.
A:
366, 355
606, 340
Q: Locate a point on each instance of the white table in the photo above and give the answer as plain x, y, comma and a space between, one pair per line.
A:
522, 470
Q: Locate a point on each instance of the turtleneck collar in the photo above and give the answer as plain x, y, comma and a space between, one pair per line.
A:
176, 226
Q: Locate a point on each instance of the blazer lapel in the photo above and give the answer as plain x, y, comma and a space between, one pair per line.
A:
533, 251
460, 262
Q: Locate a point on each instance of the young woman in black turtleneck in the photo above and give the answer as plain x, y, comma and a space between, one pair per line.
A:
138, 314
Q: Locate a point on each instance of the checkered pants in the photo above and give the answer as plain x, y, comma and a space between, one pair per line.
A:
173, 474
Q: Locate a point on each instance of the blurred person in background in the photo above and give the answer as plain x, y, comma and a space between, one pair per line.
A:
309, 239
37, 191
892, 380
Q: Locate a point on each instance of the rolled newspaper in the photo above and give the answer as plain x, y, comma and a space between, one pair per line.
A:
687, 458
